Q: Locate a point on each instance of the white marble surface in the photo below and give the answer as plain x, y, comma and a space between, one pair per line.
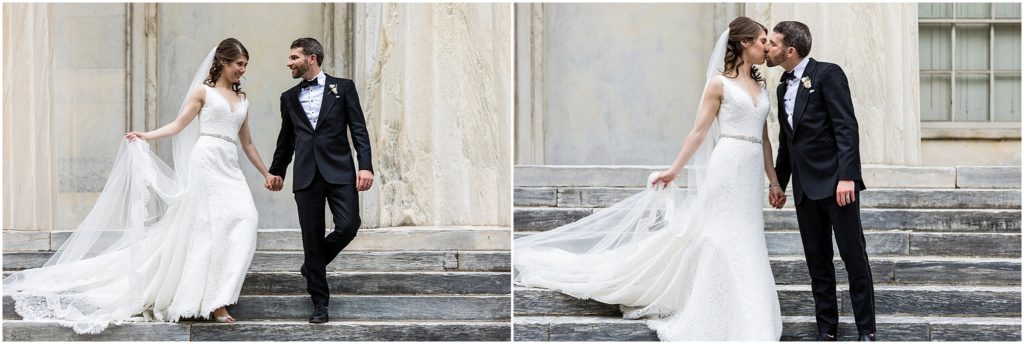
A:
622, 81
434, 81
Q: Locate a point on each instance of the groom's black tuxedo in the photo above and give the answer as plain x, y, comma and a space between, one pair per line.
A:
324, 148
323, 172
819, 150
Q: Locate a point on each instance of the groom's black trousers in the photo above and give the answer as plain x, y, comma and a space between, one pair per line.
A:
319, 251
818, 220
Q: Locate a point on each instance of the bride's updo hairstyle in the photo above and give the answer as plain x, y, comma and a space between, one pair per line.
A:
741, 29
227, 51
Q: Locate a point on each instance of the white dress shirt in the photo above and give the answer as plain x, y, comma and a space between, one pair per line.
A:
312, 97
789, 99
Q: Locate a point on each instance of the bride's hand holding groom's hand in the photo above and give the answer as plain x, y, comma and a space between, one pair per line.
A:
273, 183
776, 197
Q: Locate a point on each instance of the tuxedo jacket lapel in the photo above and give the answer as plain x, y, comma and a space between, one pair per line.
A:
802, 93
780, 93
299, 111
326, 102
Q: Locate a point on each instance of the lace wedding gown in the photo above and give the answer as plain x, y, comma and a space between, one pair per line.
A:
189, 263
697, 268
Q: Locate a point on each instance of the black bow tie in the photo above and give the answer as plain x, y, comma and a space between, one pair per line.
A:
788, 76
308, 83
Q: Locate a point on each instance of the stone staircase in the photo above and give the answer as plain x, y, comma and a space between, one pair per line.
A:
944, 245
390, 284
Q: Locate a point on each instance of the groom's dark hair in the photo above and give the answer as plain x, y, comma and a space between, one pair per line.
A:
795, 34
310, 46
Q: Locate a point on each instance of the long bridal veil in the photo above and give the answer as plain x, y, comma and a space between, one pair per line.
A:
93, 279
586, 255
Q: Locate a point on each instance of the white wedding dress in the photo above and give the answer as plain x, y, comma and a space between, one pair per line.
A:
190, 262
694, 263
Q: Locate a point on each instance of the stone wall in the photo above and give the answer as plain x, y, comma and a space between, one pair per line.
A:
618, 84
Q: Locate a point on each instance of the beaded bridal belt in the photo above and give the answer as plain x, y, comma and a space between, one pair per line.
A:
743, 137
222, 137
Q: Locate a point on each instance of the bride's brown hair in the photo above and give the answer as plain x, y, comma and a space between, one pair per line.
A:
228, 50
741, 30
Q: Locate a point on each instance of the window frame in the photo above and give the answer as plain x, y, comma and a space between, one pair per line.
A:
954, 73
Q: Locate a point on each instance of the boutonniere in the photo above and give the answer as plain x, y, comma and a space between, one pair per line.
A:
807, 81
334, 88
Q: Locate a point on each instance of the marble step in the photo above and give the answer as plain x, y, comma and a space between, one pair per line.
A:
455, 238
903, 243
381, 283
925, 220
797, 300
347, 261
336, 330
946, 271
599, 197
875, 176
912, 271
361, 307
797, 328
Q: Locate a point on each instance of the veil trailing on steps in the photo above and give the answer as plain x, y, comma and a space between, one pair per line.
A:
578, 257
93, 279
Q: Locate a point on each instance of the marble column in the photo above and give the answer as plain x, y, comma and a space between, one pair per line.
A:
876, 45
29, 174
435, 82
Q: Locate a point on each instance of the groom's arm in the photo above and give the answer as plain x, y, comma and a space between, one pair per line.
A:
782, 164
357, 127
836, 94
285, 144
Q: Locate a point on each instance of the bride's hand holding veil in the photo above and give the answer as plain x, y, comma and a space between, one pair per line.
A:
707, 113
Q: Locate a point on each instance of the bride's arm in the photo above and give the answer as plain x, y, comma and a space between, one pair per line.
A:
245, 140
191, 109
769, 165
705, 117
776, 194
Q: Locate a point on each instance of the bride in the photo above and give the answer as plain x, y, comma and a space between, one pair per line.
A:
161, 243
692, 261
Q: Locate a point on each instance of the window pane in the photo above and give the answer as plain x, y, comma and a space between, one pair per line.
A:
1007, 11
972, 98
931, 11
1007, 47
935, 90
934, 47
973, 10
1007, 98
972, 46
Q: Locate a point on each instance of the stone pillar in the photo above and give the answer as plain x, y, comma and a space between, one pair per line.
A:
435, 85
29, 173
876, 45
529, 74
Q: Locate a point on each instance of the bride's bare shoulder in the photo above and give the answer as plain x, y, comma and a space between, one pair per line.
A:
198, 93
715, 87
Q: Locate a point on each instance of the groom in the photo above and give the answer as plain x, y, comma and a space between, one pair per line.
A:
316, 116
818, 145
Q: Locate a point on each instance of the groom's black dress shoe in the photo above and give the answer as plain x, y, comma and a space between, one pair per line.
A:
827, 336
319, 315
866, 338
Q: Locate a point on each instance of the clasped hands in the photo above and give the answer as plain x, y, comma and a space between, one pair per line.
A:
364, 180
